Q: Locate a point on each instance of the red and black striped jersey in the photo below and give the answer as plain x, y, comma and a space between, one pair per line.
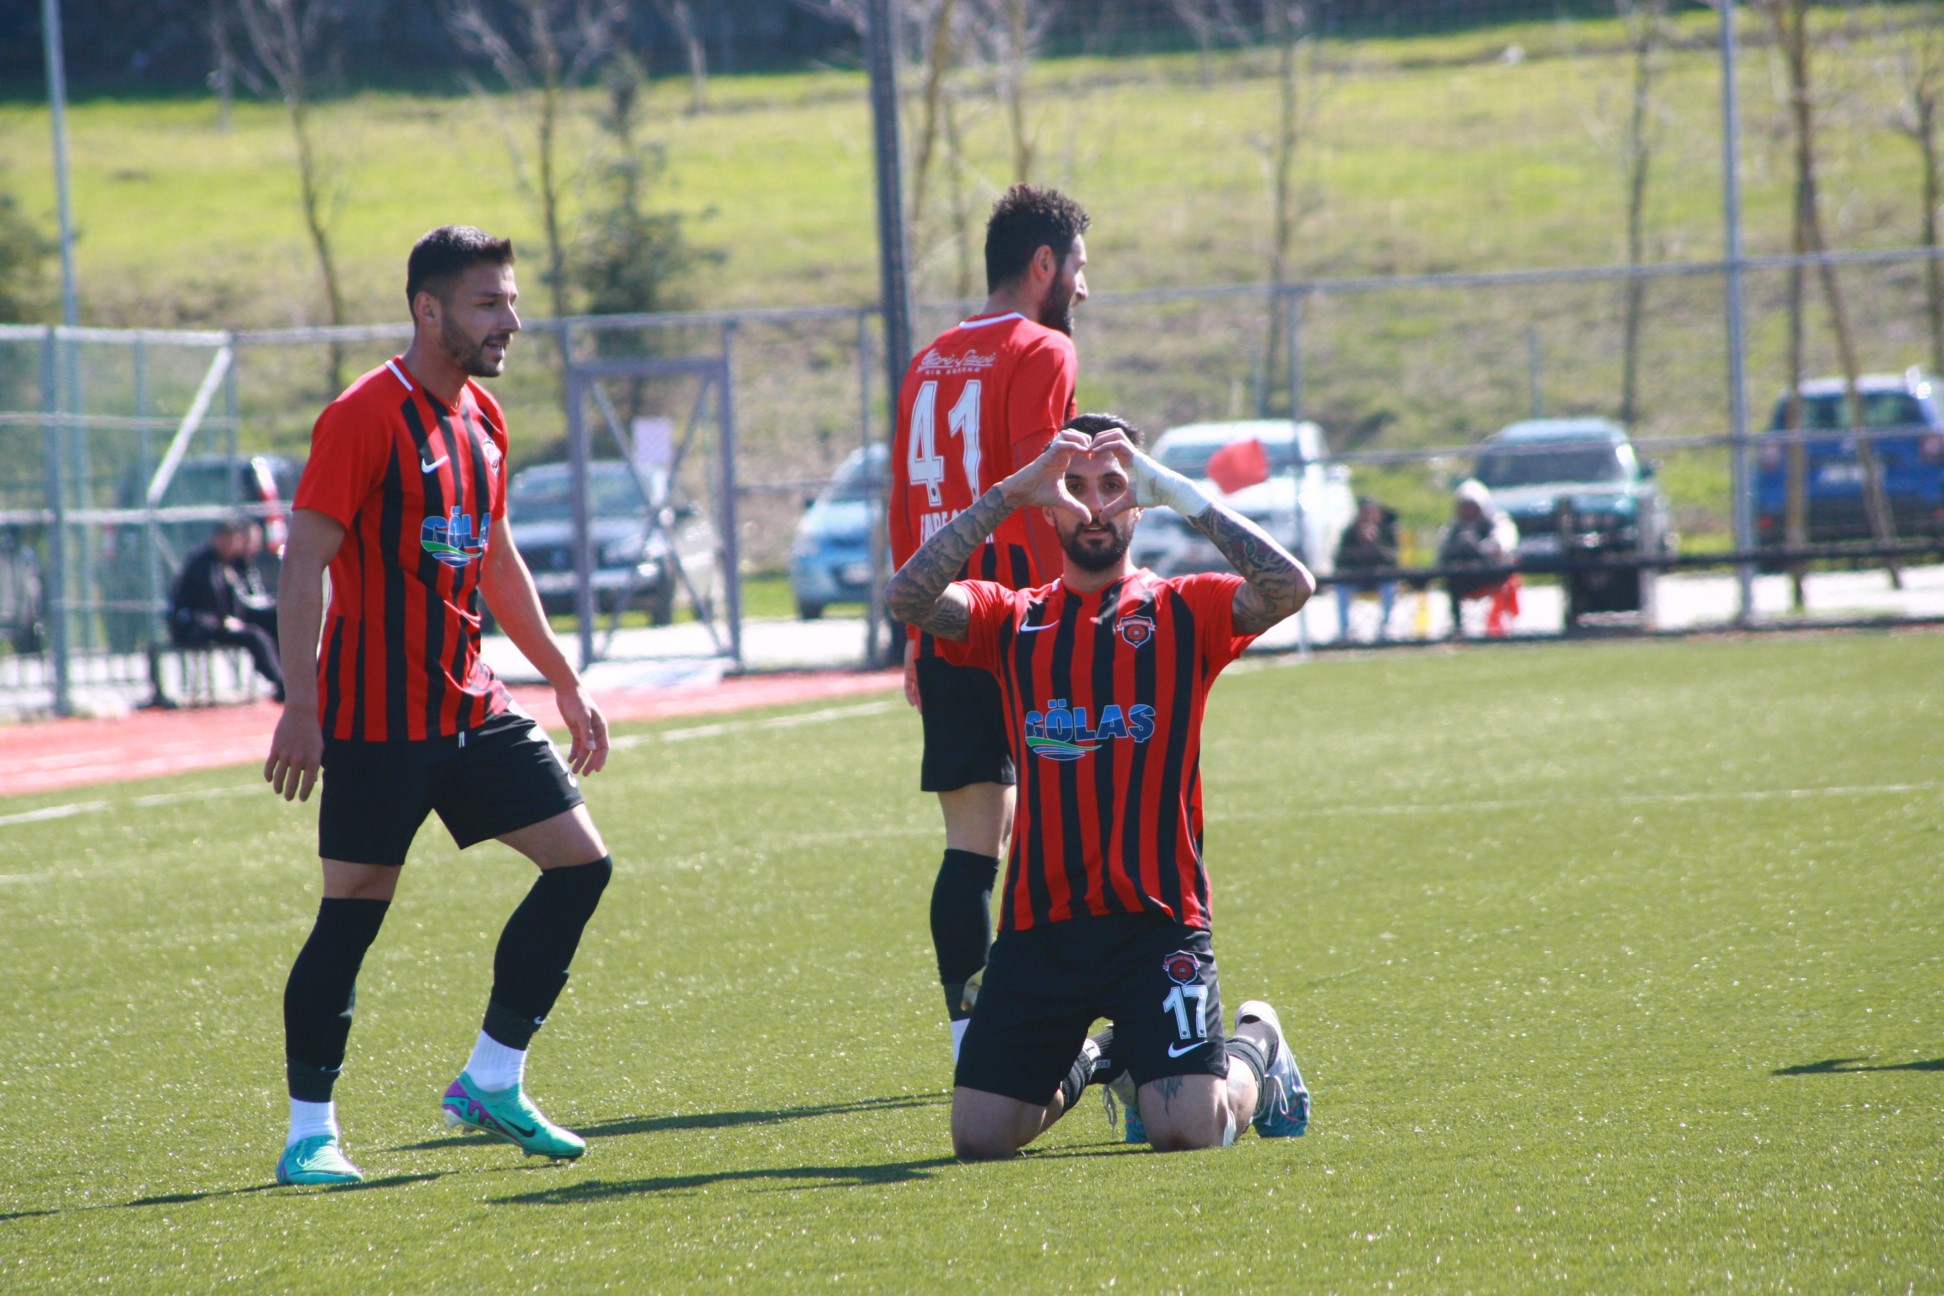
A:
1103, 695
978, 403
416, 485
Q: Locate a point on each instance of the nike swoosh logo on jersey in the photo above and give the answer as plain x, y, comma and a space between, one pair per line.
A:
434, 465
1177, 1050
1036, 629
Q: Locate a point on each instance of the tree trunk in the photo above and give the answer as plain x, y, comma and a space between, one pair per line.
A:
1792, 29
938, 65
317, 223
1648, 34
1925, 137
1018, 55
1286, 27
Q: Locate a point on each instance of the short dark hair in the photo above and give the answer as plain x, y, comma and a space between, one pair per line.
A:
1094, 424
448, 252
1024, 220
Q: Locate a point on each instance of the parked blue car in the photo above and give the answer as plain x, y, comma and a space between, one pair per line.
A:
1905, 414
830, 560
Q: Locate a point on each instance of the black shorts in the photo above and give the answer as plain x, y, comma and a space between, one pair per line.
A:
1153, 977
485, 782
965, 728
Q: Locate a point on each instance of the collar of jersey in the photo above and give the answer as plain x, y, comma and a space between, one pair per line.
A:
980, 321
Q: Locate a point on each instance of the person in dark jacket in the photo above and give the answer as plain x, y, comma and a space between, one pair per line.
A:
218, 600
1368, 544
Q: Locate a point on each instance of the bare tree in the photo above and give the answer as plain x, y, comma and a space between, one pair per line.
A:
947, 40
1286, 27
1014, 31
681, 16
1789, 19
1917, 67
284, 37
557, 44
1209, 23
1648, 33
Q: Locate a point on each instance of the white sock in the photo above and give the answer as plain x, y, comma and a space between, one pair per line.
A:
495, 1066
958, 1036
309, 1119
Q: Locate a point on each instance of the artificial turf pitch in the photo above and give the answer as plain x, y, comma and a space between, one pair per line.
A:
1613, 967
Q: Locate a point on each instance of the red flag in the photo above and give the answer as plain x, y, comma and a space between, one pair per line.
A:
1238, 465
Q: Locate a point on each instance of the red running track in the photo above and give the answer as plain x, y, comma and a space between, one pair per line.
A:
48, 756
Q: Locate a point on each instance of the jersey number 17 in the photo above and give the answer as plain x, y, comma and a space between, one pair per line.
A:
925, 466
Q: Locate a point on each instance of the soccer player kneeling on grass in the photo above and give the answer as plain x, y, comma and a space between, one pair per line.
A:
1103, 675
404, 498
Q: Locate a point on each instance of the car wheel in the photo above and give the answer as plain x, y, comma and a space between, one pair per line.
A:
810, 611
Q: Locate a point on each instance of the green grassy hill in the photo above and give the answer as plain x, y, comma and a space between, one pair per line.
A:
1433, 154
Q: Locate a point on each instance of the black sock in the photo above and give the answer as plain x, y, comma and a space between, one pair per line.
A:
321, 994
1079, 1075
1106, 1070
530, 964
961, 923
1254, 1046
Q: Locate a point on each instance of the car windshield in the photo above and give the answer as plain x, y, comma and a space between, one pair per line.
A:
860, 478
1880, 410
549, 497
1538, 466
1190, 458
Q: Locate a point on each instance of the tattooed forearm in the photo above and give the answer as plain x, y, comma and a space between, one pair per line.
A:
1278, 584
913, 594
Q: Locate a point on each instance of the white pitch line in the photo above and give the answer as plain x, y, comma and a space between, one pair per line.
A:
1623, 798
619, 744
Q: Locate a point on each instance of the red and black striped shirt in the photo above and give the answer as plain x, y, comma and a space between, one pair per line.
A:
1103, 695
416, 485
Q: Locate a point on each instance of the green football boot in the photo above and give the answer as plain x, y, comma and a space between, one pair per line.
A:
316, 1160
508, 1114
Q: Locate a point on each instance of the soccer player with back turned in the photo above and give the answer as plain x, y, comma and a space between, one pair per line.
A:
403, 500
1104, 674
984, 398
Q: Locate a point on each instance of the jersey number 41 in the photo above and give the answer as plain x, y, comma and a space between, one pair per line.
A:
923, 463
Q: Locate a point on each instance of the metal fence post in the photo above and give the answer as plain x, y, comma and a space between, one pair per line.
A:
1740, 481
731, 548
583, 529
1293, 331
873, 606
56, 584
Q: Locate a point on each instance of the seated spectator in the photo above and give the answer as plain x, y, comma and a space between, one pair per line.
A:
1367, 544
219, 600
1482, 536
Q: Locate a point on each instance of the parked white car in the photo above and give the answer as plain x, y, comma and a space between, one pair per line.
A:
1306, 502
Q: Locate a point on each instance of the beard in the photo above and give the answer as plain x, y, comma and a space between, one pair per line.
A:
1056, 312
469, 353
1096, 558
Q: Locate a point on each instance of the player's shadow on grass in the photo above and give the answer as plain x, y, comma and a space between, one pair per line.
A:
1851, 1065
713, 1120
827, 1176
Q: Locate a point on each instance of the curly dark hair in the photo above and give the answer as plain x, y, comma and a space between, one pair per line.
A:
1025, 219
1094, 424
448, 252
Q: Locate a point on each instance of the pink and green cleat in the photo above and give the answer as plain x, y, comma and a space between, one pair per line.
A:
508, 1114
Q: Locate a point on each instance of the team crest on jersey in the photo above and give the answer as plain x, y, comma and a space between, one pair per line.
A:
1135, 630
1064, 733
1182, 967
491, 450
452, 539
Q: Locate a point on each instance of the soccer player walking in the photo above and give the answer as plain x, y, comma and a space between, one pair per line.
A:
1103, 674
983, 399
403, 500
